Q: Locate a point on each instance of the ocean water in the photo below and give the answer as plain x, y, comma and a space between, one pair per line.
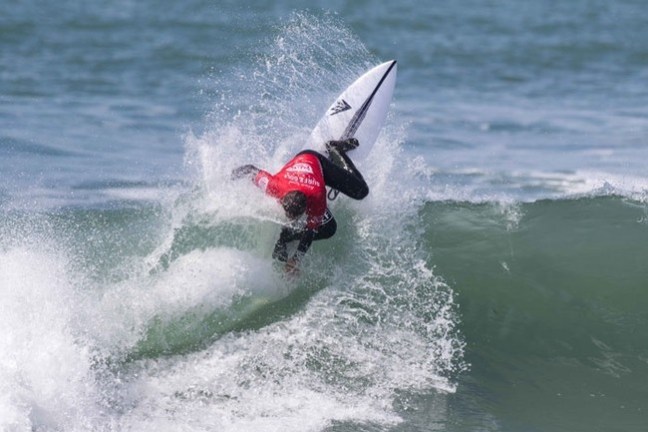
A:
494, 279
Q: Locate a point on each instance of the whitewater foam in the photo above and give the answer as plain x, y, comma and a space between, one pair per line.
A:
46, 377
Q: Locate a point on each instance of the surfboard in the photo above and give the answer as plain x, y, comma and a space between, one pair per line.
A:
358, 112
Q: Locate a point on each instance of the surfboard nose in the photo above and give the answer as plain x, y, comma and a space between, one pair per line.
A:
358, 112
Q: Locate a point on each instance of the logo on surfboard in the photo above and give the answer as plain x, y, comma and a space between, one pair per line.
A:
339, 107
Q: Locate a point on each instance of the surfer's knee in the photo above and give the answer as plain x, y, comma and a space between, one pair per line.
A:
360, 192
364, 191
327, 230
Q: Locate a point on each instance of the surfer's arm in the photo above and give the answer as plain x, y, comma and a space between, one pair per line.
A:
292, 265
280, 252
249, 171
305, 242
287, 235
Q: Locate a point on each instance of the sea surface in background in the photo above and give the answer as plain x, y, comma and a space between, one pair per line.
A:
494, 280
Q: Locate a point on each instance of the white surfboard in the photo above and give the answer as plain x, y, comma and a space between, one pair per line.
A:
359, 112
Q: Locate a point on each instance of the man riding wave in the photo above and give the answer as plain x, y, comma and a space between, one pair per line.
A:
300, 188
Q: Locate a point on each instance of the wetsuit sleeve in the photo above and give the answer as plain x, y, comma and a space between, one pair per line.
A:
244, 171
287, 235
304, 244
280, 252
262, 179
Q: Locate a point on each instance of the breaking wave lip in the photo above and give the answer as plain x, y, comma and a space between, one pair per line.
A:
479, 185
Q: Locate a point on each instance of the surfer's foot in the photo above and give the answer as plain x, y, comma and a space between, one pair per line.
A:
342, 146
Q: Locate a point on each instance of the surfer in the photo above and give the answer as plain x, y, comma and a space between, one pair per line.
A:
300, 188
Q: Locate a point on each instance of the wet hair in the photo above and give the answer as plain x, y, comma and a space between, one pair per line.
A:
294, 204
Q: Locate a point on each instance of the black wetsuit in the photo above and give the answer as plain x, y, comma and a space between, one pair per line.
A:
342, 176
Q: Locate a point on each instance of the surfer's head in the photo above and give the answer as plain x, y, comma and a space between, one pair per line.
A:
294, 204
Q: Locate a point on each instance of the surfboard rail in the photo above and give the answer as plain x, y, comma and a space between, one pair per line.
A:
358, 112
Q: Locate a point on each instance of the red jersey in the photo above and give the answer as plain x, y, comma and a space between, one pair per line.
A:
303, 173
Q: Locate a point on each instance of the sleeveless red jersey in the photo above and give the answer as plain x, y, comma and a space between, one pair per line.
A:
303, 173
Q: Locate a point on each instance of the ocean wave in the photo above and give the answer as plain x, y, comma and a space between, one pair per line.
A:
552, 297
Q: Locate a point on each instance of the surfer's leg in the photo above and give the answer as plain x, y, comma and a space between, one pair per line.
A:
347, 179
328, 227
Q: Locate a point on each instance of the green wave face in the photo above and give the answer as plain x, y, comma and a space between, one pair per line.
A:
552, 297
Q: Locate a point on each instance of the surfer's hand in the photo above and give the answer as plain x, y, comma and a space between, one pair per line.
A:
244, 171
292, 267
